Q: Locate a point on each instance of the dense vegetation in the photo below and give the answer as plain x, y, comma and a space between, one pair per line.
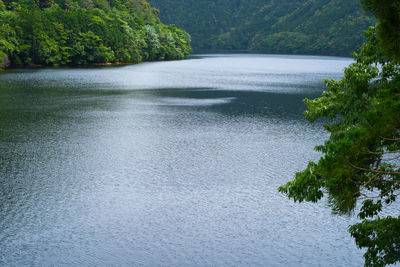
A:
361, 159
59, 32
329, 27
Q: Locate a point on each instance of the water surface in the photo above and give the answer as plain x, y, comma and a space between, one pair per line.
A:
165, 164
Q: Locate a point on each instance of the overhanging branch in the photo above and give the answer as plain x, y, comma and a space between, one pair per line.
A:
389, 139
371, 170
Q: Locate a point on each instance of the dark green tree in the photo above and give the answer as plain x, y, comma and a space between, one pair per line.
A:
45, 3
361, 159
388, 13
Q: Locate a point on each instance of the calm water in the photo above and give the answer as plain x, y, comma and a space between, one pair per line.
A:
165, 164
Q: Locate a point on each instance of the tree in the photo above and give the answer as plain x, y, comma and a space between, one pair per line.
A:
388, 13
61, 32
361, 158
45, 3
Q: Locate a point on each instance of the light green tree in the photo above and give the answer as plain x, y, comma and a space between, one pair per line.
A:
361, 159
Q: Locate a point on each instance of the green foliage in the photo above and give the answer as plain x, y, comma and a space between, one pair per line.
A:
89, 48
60, 32
328, 27
283, 42
388, 13
381, 237
361, 159
45, 3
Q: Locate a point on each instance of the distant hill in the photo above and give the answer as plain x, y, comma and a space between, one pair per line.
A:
328, 27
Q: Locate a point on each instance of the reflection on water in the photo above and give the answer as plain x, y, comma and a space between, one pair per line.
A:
171, 163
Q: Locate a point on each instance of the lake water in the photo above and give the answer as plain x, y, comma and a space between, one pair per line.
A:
165, 164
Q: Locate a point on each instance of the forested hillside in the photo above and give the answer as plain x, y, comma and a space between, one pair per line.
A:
60, 32
330, 27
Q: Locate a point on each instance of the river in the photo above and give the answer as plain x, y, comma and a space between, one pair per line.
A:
165, 164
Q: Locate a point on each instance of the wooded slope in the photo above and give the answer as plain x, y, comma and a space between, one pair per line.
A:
329, 27
60, 32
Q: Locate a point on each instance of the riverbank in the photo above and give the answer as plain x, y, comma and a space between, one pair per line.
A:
105, 64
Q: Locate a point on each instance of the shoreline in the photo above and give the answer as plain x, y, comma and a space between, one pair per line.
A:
194, 53
34, 66
101, 64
